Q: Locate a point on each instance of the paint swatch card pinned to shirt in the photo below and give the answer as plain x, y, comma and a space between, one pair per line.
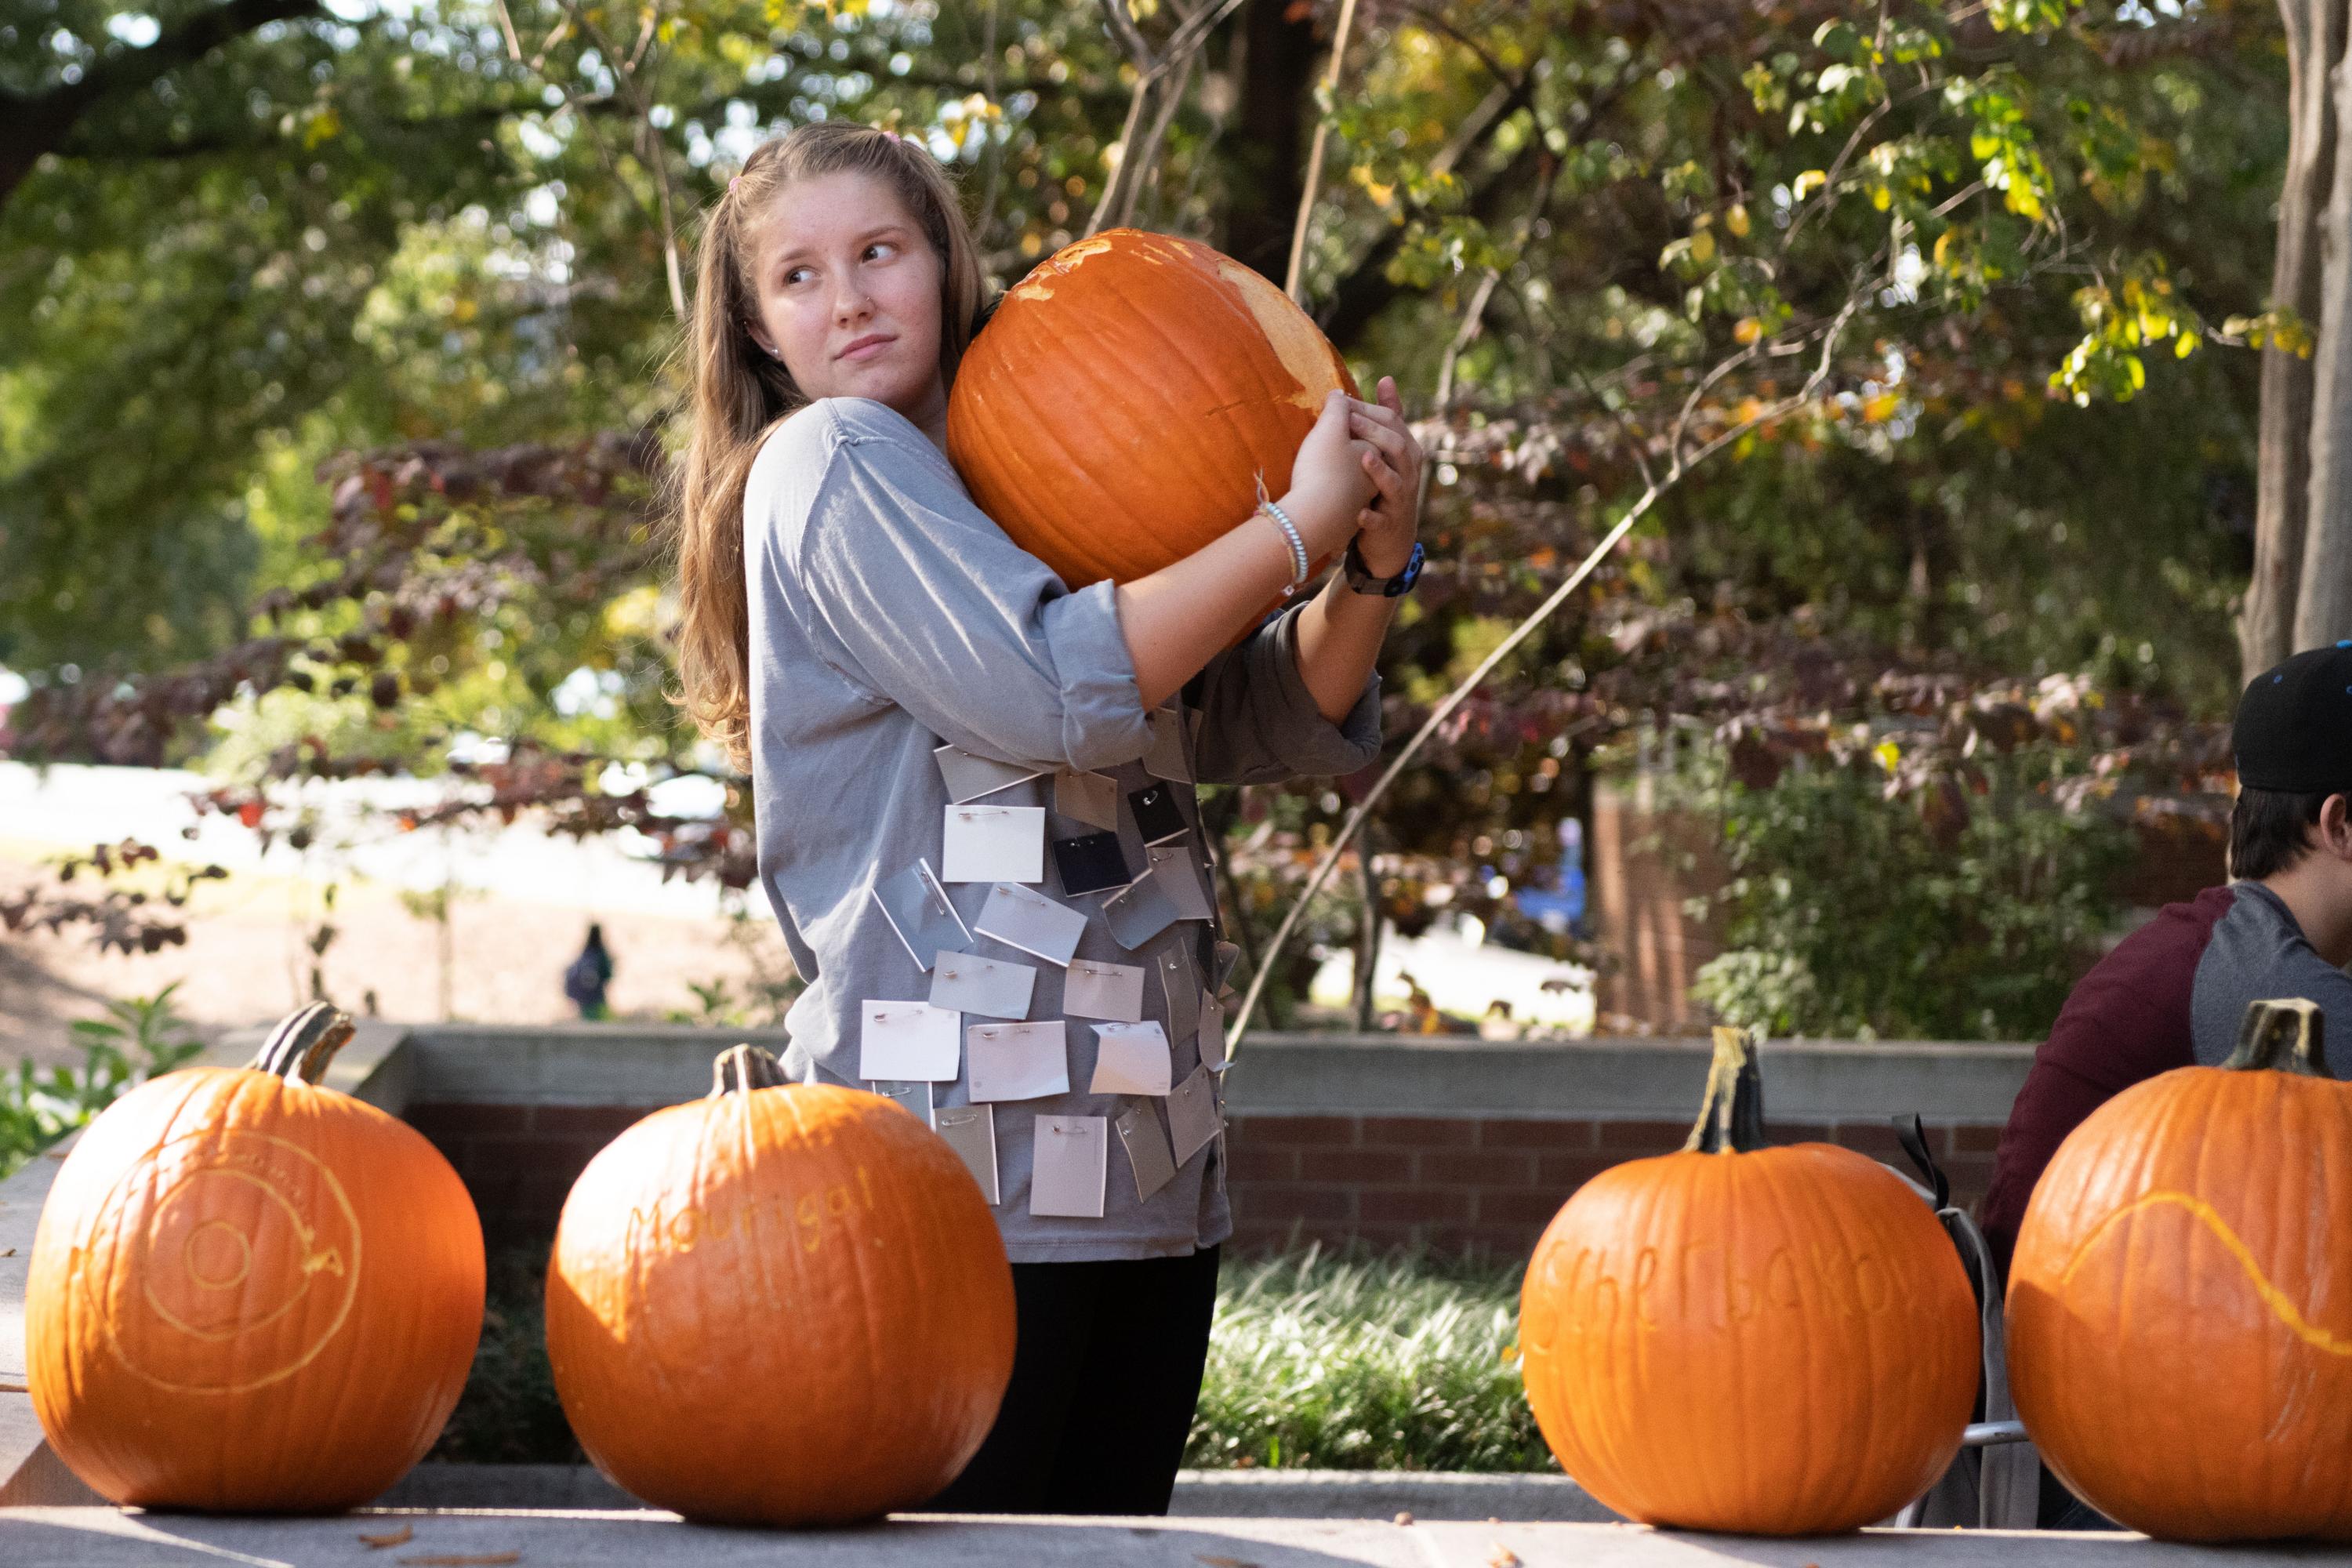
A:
916, 907
915, 1097
1068, 1158
910, 1040
1192, 1117
1094, 989
1228, 954
1026, 919
1090, 863
1018, 1061
1156, 816
1090, 799
970, 1131
993, 843
1213, 1031
1180, 988
991, 987
1139, 911
970, 775
1180, 878
1131, 1058
1166, 759
1147, 1150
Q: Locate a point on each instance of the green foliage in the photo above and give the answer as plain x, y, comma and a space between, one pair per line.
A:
139, 1037
1846, 916
1360, 1363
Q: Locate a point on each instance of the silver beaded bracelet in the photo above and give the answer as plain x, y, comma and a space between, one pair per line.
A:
1290, 534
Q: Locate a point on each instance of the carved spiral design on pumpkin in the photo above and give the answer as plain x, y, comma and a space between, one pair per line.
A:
232, 1259
2287, 1311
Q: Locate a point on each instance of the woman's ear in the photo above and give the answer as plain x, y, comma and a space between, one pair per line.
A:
759, 338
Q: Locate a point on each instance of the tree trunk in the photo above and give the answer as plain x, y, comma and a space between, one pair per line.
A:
1277, 89
2315, 32
2324, 597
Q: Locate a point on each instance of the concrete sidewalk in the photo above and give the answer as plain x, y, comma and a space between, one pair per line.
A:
106, 1538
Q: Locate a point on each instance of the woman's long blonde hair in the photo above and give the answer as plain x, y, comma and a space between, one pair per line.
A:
740, 392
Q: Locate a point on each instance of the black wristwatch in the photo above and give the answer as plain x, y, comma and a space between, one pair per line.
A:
1360, 579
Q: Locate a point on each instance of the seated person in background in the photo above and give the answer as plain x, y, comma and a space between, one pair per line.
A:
2173, 993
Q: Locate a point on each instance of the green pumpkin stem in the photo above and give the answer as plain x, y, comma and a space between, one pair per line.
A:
1731, 1116
2287, 1034
299, 1048
738, 1069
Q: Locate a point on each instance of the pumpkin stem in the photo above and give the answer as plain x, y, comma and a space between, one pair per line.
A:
740, 1069
2287, 1034
299, 1048
1731, 1116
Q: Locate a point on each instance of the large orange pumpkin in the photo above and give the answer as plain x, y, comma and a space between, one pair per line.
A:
782, 1304
2181, 1300
249, 1292
1775, 1341
1115, 414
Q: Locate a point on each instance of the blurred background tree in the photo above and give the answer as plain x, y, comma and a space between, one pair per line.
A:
330, 433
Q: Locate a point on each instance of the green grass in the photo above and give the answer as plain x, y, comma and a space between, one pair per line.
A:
1347, 1361
1354, 1362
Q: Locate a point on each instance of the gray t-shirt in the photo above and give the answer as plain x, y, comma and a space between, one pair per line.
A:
888, 614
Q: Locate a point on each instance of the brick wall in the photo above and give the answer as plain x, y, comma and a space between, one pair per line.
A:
1488, 1183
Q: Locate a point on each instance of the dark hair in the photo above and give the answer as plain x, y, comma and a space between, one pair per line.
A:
2270, 830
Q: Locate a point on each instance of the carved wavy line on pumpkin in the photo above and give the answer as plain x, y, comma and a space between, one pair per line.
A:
2203, 1213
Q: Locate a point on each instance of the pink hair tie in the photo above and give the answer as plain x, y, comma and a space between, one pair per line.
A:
732, 181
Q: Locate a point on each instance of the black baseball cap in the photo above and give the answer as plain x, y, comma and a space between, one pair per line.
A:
2293, 731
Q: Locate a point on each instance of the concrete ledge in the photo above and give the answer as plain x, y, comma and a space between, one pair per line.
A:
1200, 1494
105, 1538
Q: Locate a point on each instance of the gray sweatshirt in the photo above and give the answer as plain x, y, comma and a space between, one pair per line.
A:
888, 614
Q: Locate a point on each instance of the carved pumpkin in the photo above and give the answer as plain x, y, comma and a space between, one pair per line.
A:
2181, 1300
1115, 413
781, 1304
1775, 1341
249, 1292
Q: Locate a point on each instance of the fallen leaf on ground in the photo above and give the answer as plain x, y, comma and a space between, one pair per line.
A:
400, 1537
1404, 1518
1223, 1561
463, 1560
14, 1388
7, 1252
1504, 1558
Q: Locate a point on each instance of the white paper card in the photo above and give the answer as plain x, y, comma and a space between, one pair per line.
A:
1033, 921
915, 1098
1181, 880
1138, 911
1179, 987
918, 909
1018, 1061
1192, 1117
1131, 1058
993, 843
1069, 1157
1090, 799
991, 987
1094, 989
1147, 1150
969, 775
910, 1040
970, 1131
1213, 1031
1166, 759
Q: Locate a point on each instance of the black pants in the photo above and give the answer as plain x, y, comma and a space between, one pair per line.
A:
1105, 1372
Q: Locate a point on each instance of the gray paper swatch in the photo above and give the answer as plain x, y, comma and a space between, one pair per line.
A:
991, 987
912, 1096
1090, 799
1147, 1150
905, 1040
1166, 760
1139, 911
1017, 1061
1131, 1058
1030, 920
1095, 989
1180, 878
1179, 987
970, 775
993, 843
970, 1131
1213, 1031
1069, 1157
1192, 1117
916, 907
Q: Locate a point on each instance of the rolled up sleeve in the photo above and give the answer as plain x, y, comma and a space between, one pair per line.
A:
1259, 720
930, 604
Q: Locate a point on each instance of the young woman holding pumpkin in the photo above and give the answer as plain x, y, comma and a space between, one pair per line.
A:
847, 608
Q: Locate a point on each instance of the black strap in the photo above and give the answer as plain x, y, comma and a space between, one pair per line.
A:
1912, 1135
